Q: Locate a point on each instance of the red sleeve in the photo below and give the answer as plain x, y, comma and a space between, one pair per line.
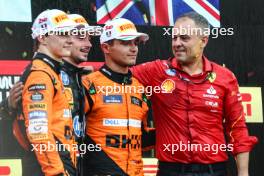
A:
235, 120
145, 72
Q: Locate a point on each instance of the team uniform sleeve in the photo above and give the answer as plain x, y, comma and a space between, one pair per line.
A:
145, 72
236, 128
37, 98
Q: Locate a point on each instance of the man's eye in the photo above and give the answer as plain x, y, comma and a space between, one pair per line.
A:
137, 42
185, 37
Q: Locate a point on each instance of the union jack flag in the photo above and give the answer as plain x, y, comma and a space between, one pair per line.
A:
156, 12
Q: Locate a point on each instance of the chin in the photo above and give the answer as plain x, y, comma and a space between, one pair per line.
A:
131, 64
181, 59
66, 54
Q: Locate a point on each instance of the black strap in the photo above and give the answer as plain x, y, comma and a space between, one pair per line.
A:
90, 101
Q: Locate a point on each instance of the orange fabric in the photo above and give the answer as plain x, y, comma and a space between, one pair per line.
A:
47, 115
111, 124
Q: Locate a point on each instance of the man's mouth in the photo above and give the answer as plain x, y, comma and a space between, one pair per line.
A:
85, 50
179, 51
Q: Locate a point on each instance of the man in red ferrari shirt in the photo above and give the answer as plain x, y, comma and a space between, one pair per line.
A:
200, 103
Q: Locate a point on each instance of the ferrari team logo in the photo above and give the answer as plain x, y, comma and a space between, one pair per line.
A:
168, 86
212, 77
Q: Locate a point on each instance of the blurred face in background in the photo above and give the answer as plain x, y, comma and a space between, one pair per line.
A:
80, 48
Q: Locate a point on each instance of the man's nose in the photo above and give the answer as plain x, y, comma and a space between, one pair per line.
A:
89, 44
177, 41
69, 40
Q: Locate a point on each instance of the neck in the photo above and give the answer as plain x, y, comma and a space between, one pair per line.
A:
193, 68
70, 60
51, 55
115, 67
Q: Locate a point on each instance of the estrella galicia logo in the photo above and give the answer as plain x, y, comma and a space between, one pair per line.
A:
65, 78
77, 126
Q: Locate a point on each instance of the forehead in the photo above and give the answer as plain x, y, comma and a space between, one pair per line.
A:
184, 23
186, 26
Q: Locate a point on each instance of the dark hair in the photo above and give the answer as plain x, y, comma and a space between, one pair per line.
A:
35, 45
197, 18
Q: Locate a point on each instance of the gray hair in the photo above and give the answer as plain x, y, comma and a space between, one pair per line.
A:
197, 18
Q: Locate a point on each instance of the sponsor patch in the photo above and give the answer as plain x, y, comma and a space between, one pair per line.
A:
168, 86
65, 78
170, 72
69, 96
37, 96
122, 122
212, 77
36, 87
211, 103
211, 93
113, 99
136, 101
38, 122
67, 113
37, 106
38, 136
38, 129
211, 90
77, 126
37, 114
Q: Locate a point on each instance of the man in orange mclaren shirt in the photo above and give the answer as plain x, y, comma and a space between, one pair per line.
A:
114, 120
47, 113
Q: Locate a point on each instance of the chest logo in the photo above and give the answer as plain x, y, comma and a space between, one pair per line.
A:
170, 72
212, 77
211, 91
65, 78
168, 86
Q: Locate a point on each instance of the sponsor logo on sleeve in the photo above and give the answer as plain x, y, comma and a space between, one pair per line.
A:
38, 128
36, 96
37, 106
37, 114
36, 87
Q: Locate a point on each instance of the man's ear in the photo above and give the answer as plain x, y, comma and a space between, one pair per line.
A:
105, 48
42, 40
204, 41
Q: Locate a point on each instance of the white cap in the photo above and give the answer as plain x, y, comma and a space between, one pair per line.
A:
51, 20
122, 29
80, 20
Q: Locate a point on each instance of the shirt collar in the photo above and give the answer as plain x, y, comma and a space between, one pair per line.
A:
55, 65
70, 67
117, 77
207, 65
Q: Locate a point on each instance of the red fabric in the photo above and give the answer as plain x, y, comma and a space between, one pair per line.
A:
16, 67
194, 113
